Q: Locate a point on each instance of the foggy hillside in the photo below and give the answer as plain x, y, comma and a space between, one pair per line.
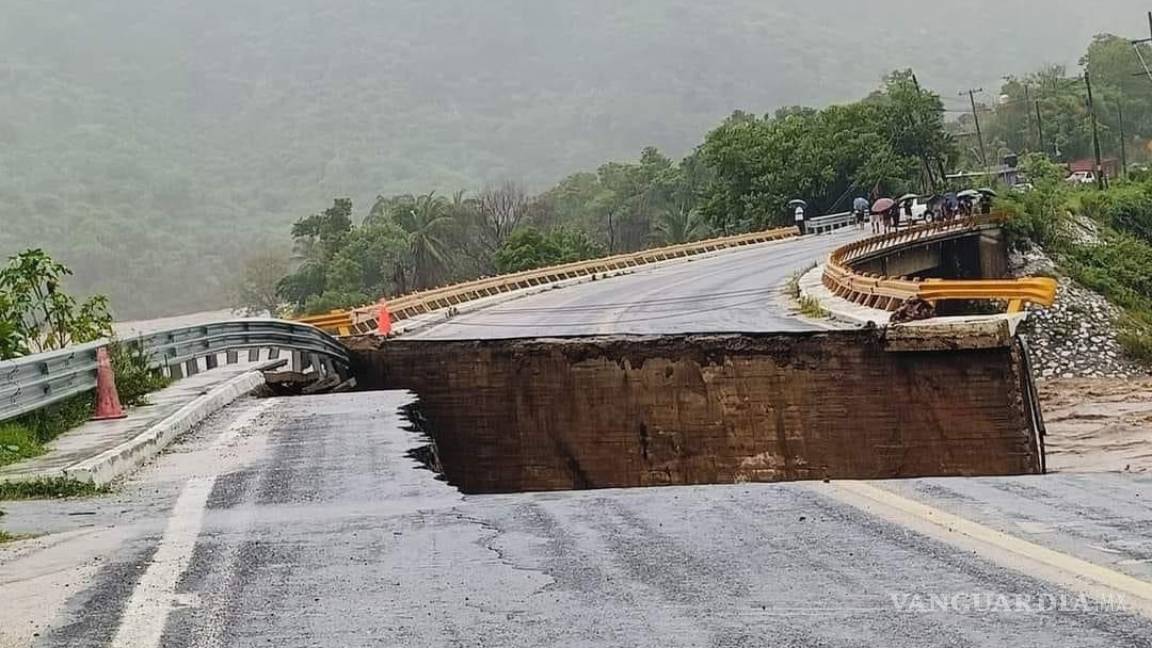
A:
150, 144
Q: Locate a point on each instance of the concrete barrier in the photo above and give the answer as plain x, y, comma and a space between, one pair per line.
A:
516, 415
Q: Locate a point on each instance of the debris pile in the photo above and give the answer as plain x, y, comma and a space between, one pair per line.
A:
296, 383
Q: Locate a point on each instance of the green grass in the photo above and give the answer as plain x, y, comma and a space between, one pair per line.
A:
17, 443
6, 537
134, 379
793, 286
53, 488
810, 307
24, 437
1136, 340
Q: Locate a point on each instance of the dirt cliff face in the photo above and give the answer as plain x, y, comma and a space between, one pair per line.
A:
515, 415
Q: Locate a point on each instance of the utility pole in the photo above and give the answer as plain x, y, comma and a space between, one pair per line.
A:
1040, 128
1144, 41
1123, 144
1095, 133
1027, 118
924, 157
976, 118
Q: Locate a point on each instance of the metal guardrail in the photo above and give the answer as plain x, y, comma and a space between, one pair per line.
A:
35, 381
888, 293
363, 320
822, 224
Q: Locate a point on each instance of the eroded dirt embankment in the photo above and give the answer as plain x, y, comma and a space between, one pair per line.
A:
544, 414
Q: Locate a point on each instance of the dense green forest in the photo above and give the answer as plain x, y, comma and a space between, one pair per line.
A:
739, 179
153, 147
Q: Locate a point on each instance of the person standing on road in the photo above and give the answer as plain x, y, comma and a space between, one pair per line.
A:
951, 204
860, 209
800, 218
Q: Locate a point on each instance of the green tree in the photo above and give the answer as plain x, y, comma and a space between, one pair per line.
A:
36, 314
428, 224
338, 264
320, 235
893, 141
529, 248
256, 292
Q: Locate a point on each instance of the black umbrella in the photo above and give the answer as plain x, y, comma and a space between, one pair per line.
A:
988, 192
907, 197
797, 203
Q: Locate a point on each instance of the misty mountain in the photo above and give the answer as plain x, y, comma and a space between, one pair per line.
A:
152, 145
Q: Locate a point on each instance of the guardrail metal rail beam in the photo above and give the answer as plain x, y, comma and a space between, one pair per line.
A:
32, 382
363, 320
889, 293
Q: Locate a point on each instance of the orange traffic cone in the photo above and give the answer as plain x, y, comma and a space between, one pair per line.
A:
383, 320
107, 399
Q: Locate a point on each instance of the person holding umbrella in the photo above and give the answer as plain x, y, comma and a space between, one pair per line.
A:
951, 204
967, 199
987, 195
882, 208
798, 206
860, 208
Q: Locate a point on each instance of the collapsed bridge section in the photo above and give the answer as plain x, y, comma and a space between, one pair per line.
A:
599, 412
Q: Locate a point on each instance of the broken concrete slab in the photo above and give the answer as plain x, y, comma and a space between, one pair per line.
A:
619, 411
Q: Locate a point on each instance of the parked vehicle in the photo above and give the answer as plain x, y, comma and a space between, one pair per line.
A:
1082, 177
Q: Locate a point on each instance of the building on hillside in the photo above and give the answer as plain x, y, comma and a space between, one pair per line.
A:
1111, 167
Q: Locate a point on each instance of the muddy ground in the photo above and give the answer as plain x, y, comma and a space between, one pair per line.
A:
1098, 424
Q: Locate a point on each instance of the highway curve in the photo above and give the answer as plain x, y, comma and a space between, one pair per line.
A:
731, 291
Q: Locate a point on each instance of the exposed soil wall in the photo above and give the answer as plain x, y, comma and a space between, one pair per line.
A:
546, 414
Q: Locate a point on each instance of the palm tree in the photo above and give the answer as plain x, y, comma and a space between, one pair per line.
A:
678, 226
427, 222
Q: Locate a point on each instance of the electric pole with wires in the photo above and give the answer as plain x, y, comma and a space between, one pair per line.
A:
1123, 144
1040, 128
976, 117
1095, 133
1140, 54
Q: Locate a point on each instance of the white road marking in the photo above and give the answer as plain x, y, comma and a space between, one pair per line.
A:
142, 624
1004, 549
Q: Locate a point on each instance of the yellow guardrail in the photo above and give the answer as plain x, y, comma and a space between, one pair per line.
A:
888, 293
363, 320
337, 322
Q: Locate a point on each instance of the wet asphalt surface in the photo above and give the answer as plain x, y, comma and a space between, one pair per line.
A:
320, 531
737, 291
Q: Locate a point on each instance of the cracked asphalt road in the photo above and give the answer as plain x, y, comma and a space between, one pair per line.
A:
309, 525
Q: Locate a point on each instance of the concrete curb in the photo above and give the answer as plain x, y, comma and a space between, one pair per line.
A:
812, 286
128, 456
